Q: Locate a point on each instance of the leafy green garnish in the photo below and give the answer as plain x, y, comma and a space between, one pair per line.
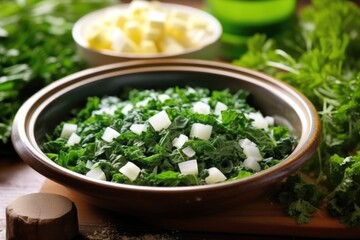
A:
300, 199
344, 200
319, 55
36, 48
153, 150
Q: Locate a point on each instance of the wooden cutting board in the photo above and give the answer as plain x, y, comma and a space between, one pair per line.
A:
261, 217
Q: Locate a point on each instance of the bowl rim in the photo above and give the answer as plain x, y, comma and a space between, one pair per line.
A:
25, 144
81, 23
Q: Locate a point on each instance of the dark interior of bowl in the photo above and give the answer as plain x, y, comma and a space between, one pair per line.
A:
267, 102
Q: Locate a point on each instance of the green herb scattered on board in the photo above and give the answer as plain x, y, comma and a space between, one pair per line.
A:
36, 48
173, 137
320, 56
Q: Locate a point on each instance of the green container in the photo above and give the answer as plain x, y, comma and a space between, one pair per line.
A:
241, 19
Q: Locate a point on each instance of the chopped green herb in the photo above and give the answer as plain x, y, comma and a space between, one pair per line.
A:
36, 48
319, 55
172, 137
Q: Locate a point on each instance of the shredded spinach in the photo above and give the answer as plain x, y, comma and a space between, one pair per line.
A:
154, 151
319, 55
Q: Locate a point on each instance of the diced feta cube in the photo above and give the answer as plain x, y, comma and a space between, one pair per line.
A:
244, 142
188, 151
220, 107
160, 121
138, 128
109, 134
270, 120
252, 152
73, 139
163, 97
96, 173
68, 129
201, 108
130, 170
201, 131
252, 164
215, 176
189, 167
258, 120
180, 141
127, 108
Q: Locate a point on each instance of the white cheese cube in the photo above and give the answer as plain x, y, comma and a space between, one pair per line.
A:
68, 129
258, 120
201, 131
143, 103
188, 151
163, 97
215, 176
270, 120
245, 142
97, 174
201, 108
130, 170
180, 141
252, 152
252, 164
189, 167
127, 108
160, 121
220, 107
73, 139
109, 134
138, 128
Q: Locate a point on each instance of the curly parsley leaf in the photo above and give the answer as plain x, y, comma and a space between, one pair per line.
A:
319, 55
36, 48
300, 199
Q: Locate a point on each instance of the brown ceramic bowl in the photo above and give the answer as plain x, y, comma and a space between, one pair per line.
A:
208, 49
52, 104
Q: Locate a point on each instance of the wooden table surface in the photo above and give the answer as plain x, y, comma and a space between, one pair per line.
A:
17, 178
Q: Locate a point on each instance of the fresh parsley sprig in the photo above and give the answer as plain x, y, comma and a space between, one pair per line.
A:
319, 55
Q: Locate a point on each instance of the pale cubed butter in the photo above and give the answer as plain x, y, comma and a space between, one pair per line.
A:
99, 39
197, 22
196, 36
148, 46
176, 28
152, 34
138, 7
120, 20
156, 19
170, 45
132, 29
121, 43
